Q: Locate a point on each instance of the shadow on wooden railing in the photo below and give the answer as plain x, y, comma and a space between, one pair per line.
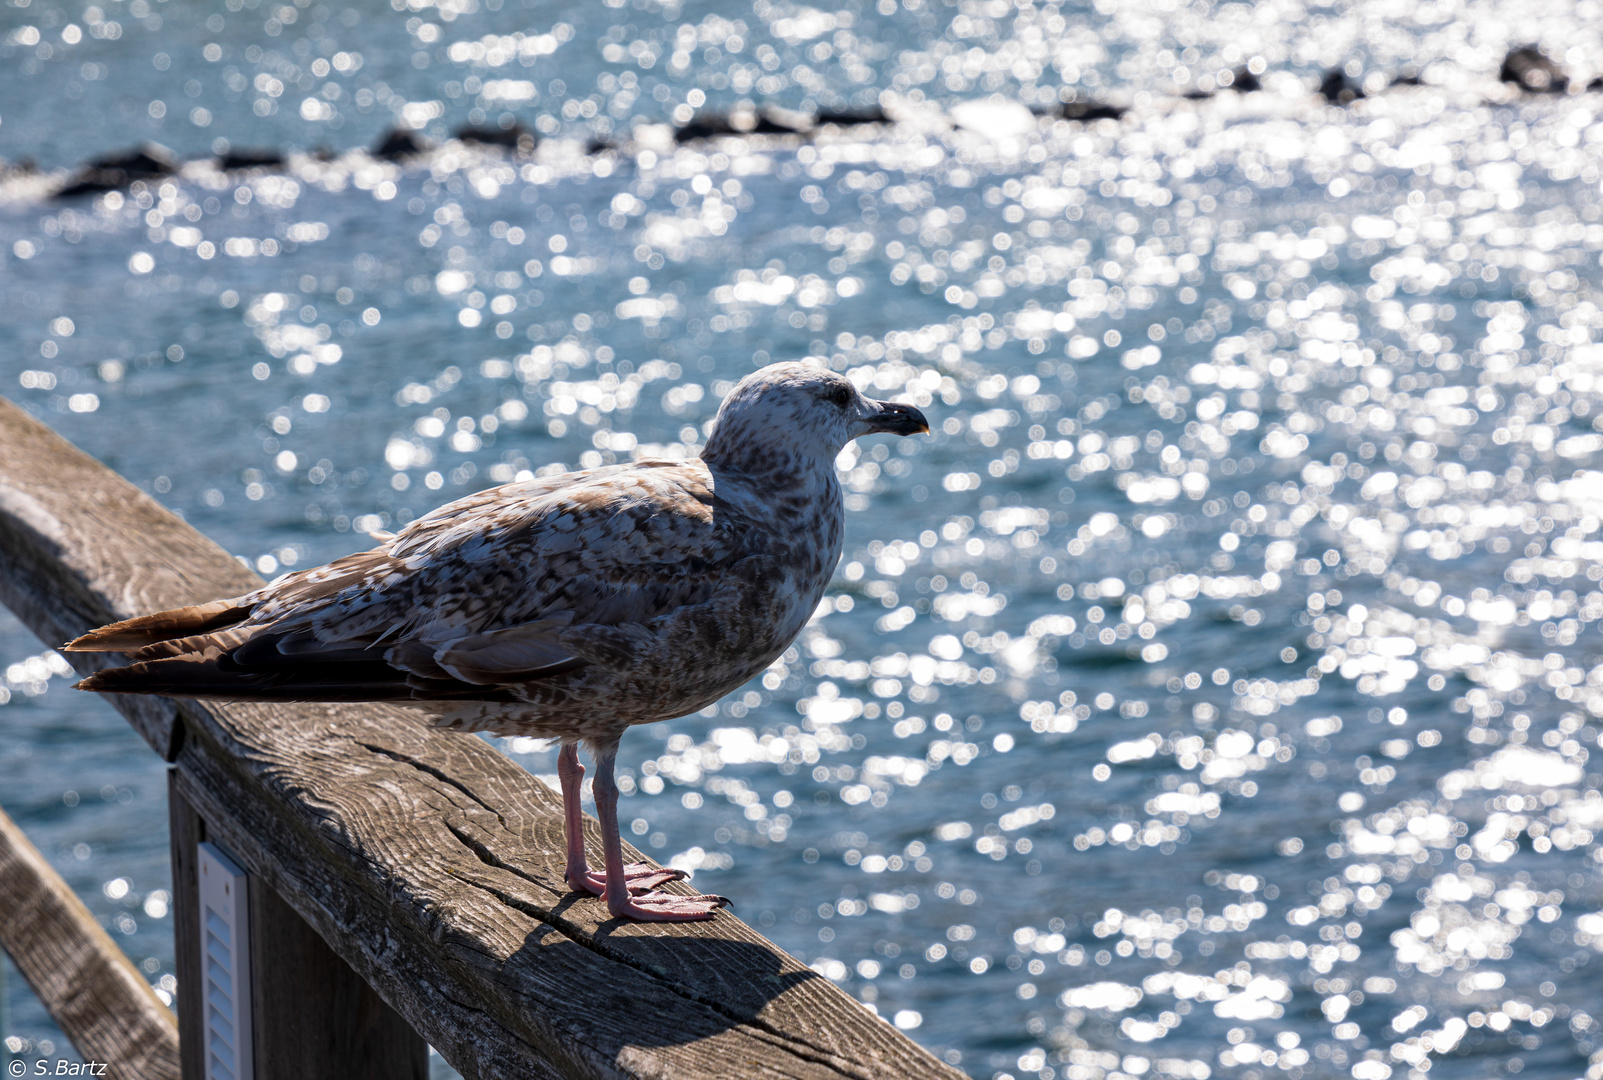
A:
405, 883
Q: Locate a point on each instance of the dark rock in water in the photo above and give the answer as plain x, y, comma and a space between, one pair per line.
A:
398, 144
769, 123
149, 159
872, 114
1595, 84
1197, 95
517, 137
599, 146
93, 182
116, 171
250, 159
1532, 71
1409, 76
1338, 88
705, 126
714, 125
1243, 81
1091, 110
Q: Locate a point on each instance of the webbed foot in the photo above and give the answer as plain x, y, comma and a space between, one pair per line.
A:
667, 907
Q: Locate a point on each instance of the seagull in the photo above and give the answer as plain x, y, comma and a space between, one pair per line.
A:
567, 607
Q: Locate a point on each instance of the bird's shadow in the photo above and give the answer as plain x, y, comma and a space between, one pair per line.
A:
628, 988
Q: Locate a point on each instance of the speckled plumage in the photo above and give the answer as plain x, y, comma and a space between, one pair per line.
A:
571, 606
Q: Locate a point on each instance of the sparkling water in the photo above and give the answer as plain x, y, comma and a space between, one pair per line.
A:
1210, 694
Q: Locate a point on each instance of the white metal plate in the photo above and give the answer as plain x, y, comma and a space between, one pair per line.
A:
225, 962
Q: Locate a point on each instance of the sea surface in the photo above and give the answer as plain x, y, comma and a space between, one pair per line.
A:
1211, 694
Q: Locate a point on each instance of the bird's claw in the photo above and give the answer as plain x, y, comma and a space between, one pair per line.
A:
667, 907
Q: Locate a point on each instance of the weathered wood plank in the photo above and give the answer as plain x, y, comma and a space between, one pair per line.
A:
87, 985
432, 866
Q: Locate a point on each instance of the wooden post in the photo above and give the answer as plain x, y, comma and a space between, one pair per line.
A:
314, 1015
184, 834
87, 985
311, 1015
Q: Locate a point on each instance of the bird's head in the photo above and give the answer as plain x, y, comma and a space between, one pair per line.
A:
793, 413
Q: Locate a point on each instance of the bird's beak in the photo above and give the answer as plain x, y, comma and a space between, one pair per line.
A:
894, 418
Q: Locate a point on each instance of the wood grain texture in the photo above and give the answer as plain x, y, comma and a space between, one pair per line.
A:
432, 865
85, 982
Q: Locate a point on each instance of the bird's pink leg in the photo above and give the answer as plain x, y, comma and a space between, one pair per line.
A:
638, 876
622, 901
571, 773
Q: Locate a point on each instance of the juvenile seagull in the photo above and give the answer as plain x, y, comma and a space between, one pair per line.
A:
568, 607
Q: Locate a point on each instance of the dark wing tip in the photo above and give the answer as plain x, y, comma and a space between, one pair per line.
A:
115, 680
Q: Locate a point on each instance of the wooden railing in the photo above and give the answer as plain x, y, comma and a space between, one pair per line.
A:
89, 986
405, 883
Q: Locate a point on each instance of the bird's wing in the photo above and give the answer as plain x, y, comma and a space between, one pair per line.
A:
482, 590
746, 614
477, 594
619, 546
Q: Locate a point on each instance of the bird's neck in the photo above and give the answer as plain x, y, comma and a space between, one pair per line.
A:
753, 457
795, 496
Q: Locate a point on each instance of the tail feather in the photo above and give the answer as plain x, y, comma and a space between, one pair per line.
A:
215, 651
147, 630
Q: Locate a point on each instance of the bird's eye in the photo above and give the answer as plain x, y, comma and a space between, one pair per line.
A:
840, 394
